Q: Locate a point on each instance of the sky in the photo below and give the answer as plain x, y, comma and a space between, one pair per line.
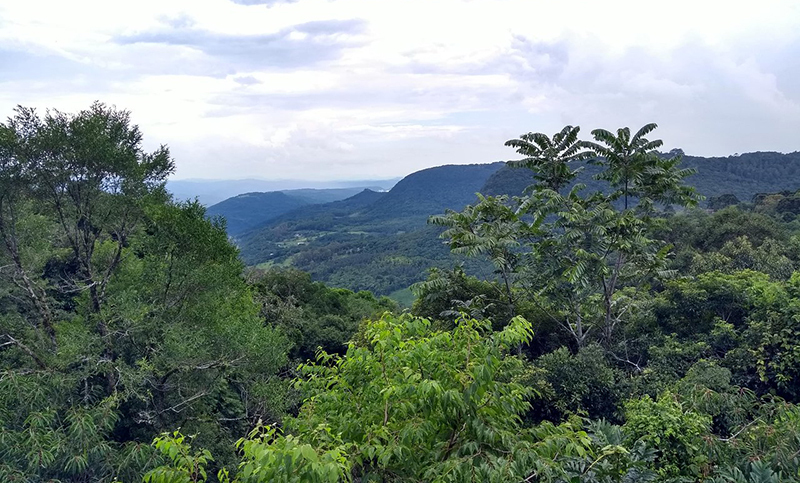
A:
372, 89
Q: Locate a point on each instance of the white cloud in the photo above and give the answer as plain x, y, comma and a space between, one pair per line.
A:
323, 89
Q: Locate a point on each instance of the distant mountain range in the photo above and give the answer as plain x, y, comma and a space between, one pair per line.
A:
381, 242
212, 191
250, 210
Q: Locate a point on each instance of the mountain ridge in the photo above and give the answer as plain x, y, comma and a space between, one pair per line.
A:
248, 211
742, 175
212, 191
383, 243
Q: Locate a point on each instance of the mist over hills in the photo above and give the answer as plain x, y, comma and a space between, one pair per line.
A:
381, 242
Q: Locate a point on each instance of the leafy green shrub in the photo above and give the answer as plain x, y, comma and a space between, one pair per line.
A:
678, 434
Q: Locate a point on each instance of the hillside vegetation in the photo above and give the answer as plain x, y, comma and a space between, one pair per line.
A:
613, 339
372, 241
250, 210
382, 244
742, 175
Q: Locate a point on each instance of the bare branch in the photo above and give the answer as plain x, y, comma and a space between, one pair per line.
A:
12, 341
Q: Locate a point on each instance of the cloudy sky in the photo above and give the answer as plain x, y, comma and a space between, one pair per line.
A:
356, 89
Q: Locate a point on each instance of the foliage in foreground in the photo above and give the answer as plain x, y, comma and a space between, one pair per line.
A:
412, 404
417, 404
122, 313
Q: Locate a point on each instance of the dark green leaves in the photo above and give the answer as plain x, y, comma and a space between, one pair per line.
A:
550, 159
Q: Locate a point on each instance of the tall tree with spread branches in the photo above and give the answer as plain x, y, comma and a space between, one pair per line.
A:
574, 252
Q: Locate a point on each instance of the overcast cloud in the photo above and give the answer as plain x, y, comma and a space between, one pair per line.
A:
337, 89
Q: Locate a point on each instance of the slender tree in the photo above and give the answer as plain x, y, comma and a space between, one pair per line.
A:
14, 189
489, 228
635, 169
572, 252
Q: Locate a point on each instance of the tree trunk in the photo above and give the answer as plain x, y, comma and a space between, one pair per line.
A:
39, 300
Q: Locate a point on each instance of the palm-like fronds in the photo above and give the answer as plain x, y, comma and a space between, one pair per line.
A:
636, 170
548, 158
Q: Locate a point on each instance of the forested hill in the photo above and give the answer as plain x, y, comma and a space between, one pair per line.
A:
373, 241
251, 210
746, 174
742, 175
434, 189
407, 204
380, 241
324, 216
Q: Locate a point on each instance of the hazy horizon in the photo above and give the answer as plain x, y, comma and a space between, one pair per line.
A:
254, 178
398, 178
343, 89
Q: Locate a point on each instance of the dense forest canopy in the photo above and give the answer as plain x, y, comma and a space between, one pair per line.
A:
610, 338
